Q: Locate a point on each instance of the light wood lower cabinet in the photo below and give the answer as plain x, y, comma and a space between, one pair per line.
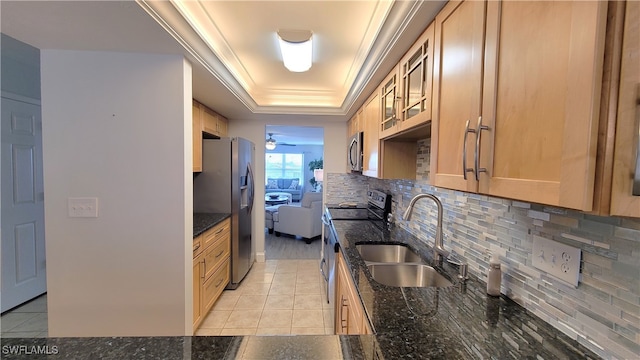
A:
350, 317
211, 268
215, 254
213, 286
216, 233
197, 291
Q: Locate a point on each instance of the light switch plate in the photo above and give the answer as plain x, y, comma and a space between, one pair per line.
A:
86, 207
557, 259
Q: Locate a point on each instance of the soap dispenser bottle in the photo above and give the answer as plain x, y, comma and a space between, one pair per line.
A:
494, 277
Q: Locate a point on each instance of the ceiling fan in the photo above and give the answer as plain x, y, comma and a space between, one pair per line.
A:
270, 143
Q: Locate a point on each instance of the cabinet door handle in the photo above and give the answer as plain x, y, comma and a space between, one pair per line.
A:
219, 231
196, 247
220, 253
476, 155
204, 267
465, 170
343, 321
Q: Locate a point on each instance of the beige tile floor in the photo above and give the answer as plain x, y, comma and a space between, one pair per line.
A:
26, 321
278, 297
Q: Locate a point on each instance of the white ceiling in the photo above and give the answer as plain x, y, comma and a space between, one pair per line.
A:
232, 45
296, 135
243, 35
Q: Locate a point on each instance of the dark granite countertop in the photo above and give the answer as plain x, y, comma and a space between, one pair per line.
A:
457, 322
205, 221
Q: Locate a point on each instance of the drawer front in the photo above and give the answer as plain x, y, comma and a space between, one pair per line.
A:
214, 286
215, 255
197, 246
216, 232
197, 278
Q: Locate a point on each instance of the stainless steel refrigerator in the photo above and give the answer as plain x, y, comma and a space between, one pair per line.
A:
226, 185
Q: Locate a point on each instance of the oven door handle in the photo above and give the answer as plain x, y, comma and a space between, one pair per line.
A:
374, 214
324, 275
325, 220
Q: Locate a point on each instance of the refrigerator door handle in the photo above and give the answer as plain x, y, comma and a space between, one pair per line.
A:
251, 187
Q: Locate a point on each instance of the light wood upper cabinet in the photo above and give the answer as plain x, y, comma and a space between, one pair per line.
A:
369, 124
209, 121
205, 122
457, 83
213, 123
406, 92
416, 77
354, 124
197, 137
223, 126
623, 203
523, 113
390, 98
543, 75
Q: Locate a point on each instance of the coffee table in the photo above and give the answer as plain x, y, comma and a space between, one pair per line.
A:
280, 199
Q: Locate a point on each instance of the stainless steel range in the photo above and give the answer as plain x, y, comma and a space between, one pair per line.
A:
376, 209
378, 206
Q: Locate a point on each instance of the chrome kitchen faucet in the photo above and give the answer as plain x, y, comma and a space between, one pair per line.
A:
438, 251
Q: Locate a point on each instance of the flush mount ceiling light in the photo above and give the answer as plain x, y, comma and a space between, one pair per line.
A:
270, 144
296, 47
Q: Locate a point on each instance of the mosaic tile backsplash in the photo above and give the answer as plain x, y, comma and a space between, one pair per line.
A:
602, 313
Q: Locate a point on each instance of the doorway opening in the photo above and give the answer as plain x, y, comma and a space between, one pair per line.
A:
294, 157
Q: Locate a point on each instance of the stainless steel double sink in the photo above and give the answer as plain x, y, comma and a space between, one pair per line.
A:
397, 265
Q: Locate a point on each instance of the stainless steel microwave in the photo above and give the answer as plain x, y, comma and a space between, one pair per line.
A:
354, 155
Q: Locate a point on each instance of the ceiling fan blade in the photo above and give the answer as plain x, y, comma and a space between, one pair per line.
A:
285, 144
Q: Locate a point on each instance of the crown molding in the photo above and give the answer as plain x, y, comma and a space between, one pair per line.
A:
171, 19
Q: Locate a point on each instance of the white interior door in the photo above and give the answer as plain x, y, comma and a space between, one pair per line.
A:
22, 212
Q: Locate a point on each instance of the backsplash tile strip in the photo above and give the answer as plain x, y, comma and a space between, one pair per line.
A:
602, 313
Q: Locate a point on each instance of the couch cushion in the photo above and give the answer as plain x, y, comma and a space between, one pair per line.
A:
294, 184
272, 184
310, 197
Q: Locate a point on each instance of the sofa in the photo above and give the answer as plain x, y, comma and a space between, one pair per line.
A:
292, 186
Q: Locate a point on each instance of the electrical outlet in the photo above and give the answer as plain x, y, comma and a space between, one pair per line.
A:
557, 259
83, 207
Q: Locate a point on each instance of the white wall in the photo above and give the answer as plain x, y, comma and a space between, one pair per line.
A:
114, 128
335, 152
